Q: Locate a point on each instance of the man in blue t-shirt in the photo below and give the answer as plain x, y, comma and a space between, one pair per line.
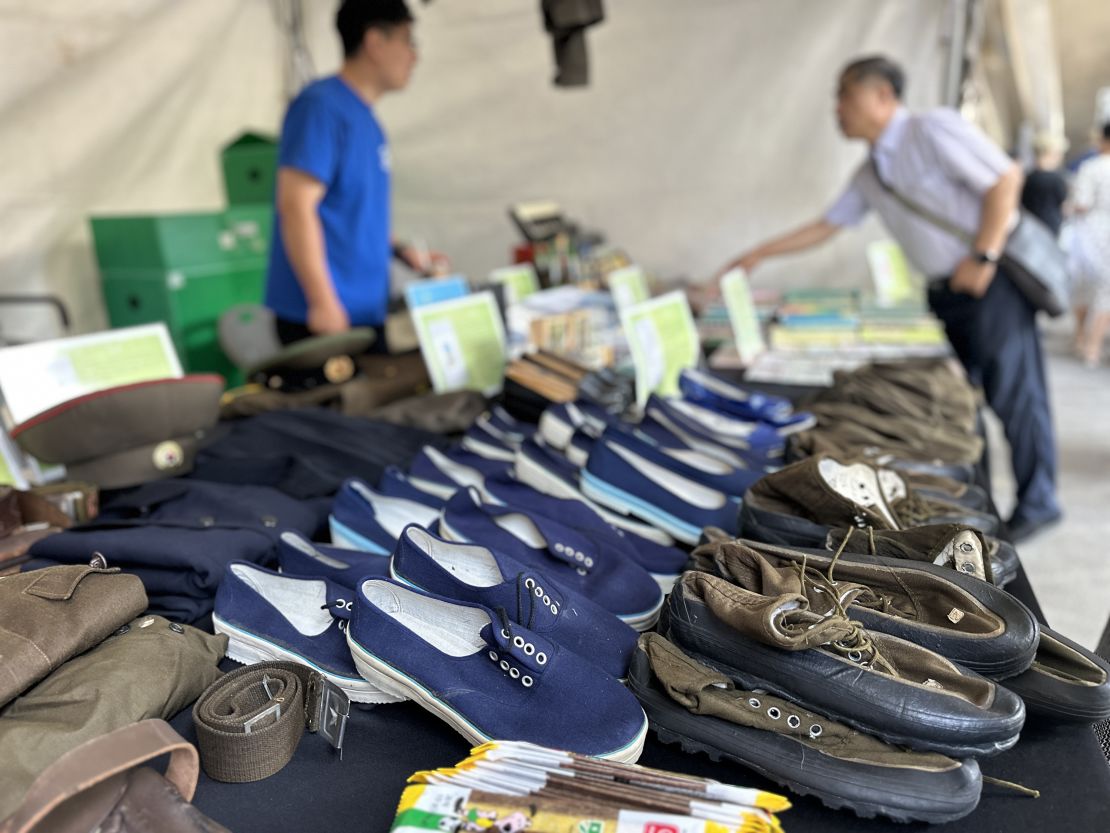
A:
329, 260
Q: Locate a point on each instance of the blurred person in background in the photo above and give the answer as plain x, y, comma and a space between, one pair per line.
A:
1046, 188
1090, 206
949, 167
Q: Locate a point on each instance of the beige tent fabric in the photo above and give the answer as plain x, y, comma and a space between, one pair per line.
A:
708, 125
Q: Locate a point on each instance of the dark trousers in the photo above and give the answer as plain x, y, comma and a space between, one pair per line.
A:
995, 337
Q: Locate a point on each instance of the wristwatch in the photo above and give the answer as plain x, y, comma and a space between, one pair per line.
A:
984, 257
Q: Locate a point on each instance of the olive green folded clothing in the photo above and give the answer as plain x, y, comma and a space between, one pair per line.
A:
50, 615
149, 668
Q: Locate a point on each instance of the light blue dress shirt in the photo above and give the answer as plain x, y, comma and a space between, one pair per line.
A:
941, 162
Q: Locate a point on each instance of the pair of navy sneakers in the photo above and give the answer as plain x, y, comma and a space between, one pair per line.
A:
495, 649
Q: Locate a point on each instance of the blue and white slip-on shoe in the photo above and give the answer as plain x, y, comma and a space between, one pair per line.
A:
734, 441
713, 392
572, 558
579, 448
268, 617
488, 677
444, 473
482, 444
665, 563
686, 462
550, 472
627, 481
505, 426
297, 556
473, 573
362, 519
395, 483
559, 422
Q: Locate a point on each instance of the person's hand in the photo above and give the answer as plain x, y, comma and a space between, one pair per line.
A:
424, 262
747, 261
327, 317
972, 277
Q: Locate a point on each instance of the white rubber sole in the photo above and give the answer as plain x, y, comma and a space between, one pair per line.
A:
346, 538
532, 474
387, 678
248, 649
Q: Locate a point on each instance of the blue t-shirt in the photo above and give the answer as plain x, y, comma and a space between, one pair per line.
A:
331, 134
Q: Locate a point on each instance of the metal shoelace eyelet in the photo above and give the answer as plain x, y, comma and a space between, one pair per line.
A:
494, 656
526, 681
529, 583
754, 703
589, 561
514, 673
855, 656
554, 610
504, 665
518, 641
774, 713
793, 721
579, 556
815, 731
547, 600
541, 658
505, 633
539, 592
580, 571
560, 548
529, 649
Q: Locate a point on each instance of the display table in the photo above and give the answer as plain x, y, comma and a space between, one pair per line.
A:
386, 744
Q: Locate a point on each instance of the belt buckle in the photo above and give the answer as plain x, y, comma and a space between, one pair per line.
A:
333, 707
273, 711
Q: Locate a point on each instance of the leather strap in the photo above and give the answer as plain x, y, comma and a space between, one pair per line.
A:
101, 758
250, 721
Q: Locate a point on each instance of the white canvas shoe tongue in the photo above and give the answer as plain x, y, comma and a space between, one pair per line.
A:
893, 486
857, 483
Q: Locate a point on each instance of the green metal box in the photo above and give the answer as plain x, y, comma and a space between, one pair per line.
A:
249, 164
184, 270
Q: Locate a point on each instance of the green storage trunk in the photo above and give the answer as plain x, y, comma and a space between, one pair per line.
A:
184, 270
249, 164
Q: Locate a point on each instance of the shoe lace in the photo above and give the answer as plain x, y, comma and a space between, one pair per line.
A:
856, 644
913, 510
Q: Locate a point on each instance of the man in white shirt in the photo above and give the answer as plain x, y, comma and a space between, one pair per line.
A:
948, 167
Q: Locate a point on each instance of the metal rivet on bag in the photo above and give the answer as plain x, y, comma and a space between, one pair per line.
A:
124, 629
147, 622
98, 561
176, 628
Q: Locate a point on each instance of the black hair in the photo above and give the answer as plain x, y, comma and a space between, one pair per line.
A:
876, 67
356, 17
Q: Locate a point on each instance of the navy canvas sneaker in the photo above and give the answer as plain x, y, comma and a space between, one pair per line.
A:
633, 483
571, 557
701, 468
488, 677
713, 392
579, 448
297, 556
472, 573
665, 563
267, 616
444, 473
559, 422
479, 442
735, 441
550, 472
505, 426
362, 519
395, 483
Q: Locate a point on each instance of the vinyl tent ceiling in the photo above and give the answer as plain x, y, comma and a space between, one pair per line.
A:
708, 124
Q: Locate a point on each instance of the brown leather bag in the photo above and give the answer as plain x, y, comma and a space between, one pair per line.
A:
99, 786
